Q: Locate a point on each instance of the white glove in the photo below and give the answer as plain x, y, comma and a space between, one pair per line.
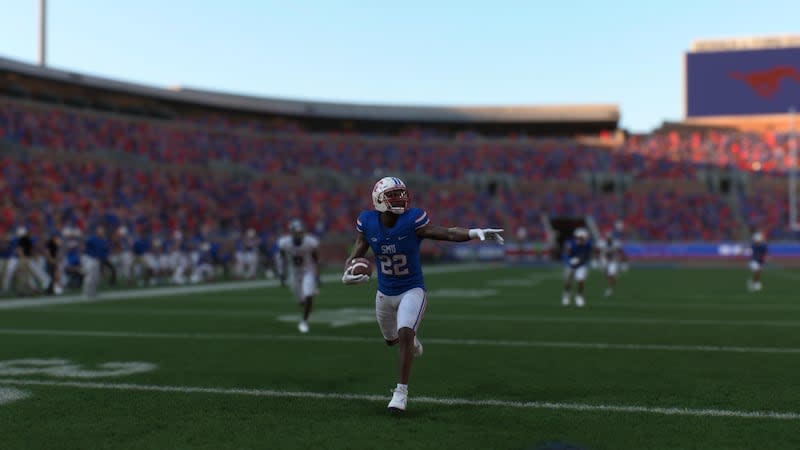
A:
350, 278
483, 233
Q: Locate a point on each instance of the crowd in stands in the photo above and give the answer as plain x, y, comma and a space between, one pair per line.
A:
82, 168
758, 152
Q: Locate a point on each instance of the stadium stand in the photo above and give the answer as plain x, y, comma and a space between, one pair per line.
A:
78, 155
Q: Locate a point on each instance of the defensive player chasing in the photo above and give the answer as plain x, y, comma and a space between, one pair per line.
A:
299, 251
758, 254
577, 253
394, 232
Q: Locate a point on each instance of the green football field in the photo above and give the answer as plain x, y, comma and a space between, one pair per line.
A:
677, 359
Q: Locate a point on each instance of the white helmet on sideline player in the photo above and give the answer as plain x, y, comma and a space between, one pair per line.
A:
390, 194
581, 233
296, 226
758, 236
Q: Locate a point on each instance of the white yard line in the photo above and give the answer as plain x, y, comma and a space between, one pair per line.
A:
19, 303
373, 340
645, 304
579, 407
447, 317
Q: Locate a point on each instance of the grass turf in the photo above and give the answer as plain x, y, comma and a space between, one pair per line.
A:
496, 334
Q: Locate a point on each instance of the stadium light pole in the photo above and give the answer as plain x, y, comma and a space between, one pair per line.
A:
42, 33
793, 225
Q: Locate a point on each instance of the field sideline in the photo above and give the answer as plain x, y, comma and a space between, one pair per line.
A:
677, 359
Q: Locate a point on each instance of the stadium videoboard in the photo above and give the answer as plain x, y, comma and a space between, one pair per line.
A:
742, 82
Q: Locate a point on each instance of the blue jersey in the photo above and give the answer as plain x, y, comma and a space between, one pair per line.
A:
396, 249
11, 248
97, 247
758, 252
125, 243
205, 257
578, 254
141, 246
74, 258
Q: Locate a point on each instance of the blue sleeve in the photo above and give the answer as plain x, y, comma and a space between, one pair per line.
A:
420, 217
361, 222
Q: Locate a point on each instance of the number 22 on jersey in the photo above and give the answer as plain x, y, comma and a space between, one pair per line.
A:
396, 265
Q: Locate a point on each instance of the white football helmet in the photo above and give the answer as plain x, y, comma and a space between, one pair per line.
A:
581, 233
758, 236
296, 226
390, 194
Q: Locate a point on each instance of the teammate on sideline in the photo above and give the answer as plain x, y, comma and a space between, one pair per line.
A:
394, 232
619, 227
758, 254
577, 252
300, 252
96, 250
124, 253
612, 251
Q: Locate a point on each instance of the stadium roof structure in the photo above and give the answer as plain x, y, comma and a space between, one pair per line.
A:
596, 113
744, 43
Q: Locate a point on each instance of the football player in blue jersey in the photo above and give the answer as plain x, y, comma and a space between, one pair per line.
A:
577, 254
394, 232
758, 255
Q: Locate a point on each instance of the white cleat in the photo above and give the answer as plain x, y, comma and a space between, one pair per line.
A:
579, 301
303, 326
399, 399
417, 348
565, 300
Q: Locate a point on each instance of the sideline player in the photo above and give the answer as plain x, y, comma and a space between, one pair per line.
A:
619, 227
758, 255
300, 252
394, 232
577, 252
612, 253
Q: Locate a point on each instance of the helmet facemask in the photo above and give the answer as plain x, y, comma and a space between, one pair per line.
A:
396, 200
390, 195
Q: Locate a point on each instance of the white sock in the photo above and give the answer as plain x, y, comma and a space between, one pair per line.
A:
402, 387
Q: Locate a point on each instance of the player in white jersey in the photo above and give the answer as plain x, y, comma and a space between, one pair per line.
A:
247, 255
612, 252
299, 251
123, 253
619, 227
179, 260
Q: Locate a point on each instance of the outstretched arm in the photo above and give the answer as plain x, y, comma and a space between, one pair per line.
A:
458, 234
437, 233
